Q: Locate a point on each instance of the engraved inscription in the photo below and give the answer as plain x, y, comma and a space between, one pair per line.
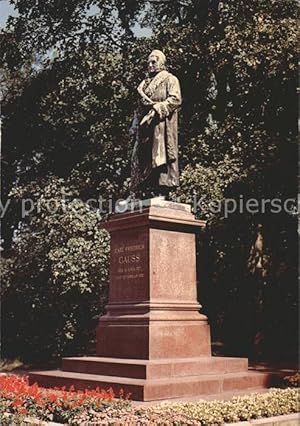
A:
129, 262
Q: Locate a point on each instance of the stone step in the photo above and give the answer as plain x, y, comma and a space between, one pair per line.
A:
155, 389
152, 369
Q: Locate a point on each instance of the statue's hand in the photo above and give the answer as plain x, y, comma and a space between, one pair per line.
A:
148, 117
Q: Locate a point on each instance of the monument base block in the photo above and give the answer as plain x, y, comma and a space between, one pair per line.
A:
155, 380
153, 342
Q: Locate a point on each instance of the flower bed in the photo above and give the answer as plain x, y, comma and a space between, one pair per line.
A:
274, 403
98, 407
19, 398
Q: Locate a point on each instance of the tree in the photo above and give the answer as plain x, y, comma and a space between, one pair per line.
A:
67, 26
55, 281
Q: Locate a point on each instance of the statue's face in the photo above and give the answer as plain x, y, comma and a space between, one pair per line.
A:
154, 64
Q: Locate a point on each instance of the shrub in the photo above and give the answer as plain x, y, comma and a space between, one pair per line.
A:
274, 403
7, 419
293, 380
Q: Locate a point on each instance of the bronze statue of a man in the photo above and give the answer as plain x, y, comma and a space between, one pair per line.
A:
154, 163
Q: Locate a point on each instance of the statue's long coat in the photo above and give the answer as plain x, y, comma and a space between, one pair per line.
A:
155, 152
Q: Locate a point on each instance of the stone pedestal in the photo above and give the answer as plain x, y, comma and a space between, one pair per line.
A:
152, 341
153, 311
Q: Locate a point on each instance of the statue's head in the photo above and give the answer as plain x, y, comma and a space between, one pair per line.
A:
156, 61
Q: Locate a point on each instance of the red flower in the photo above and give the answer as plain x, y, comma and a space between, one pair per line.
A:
53, 397
40, 400
17, 403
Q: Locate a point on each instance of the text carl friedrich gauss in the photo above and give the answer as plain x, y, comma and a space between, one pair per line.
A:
128, 258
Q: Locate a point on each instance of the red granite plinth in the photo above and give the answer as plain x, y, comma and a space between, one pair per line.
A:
155, 369
156, 389
153, 310
152, 341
